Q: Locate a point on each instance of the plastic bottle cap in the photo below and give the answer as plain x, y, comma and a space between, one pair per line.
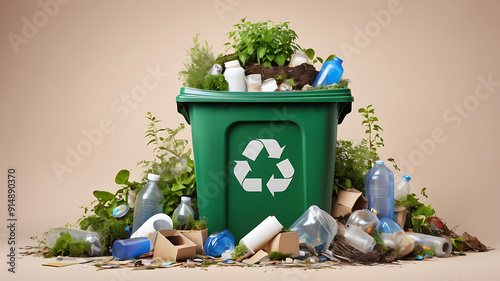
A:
337, 59
186, 198
232, 63
153, 177
379, 162
406, 177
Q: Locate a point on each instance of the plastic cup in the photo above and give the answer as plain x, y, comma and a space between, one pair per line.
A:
269, 85
254, 82
359, 239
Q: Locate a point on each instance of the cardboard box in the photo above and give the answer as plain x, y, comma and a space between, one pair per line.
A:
198, 237
348, 201
170, 243
258, 257
285, 242
400, 214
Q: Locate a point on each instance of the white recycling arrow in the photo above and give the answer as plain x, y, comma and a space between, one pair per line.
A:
241, 170
253, 149
273, 148
277, 185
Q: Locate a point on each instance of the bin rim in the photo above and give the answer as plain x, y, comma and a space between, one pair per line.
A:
199, 95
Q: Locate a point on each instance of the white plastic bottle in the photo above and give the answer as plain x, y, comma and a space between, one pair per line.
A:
402, 187
184, 212
148, 202
235, 76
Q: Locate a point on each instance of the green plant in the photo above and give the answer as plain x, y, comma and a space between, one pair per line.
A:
373, 140
239, 251
311, 53
265, 43
65, 245
419, 214
200, 60
352, 162
111, 229
278, 256
215, 82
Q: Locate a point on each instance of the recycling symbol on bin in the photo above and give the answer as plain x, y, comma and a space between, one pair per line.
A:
251, 152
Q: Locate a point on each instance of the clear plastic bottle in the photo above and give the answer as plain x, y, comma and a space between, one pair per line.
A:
379, 187
365, 220
330, 73
402, 187
235, 76
94, 240
183, 213
148, 202
130, 248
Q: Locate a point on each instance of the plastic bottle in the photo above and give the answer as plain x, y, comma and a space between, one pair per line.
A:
402, 187
387, 225
359, 239
330, 73
93, 239
218, 243
183, 213
235, 76
442, 246
130, 248
316, 227
365, 220
379, 186
148, 202
400, 241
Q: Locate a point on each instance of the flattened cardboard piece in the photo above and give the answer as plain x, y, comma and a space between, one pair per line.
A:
348, 201
285, 242
260, 255
198, 237
170, 243
400, 214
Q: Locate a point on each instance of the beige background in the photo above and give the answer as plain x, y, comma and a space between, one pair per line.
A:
420, 67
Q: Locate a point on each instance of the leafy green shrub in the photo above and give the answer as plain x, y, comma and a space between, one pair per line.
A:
215, 82
265, 43
65, 245
200, 60
352, 162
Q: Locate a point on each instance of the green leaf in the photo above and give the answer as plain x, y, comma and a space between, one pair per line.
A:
243, 56
361, 110
270, 56
122, 176
177, 187
103, 195
280, 60
330, 57
319, 59
310, 53
261, 51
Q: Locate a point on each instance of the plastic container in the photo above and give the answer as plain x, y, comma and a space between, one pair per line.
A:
379, 187
442, 246
359, 239
93, 239
120, 211
148, 202
298, 58
157, 222
216, 69
130, 248
365, 220
402, 187
184, 212
316, 227
235, 76
387, 225
261, 234
298, 128
400, 241
285, 87
330, 73
269, 85
254, 82
216, 244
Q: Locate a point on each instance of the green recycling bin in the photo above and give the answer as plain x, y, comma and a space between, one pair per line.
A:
258, 154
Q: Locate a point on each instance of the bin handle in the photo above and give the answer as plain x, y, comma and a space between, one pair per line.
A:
182, 109
344, 109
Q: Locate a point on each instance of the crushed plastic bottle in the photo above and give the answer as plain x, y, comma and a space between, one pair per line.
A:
316, 227
218, 243
402, 187
379, 186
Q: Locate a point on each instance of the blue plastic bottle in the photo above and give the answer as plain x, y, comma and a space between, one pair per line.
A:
130, 248
330, 73
379, 187
148, 202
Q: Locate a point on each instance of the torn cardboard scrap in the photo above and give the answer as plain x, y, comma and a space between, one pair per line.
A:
348, 201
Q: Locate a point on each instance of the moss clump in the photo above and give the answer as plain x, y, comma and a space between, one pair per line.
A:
111, 229
66, 246
215, 82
